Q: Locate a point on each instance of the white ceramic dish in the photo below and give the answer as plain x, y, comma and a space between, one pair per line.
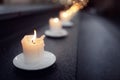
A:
46, 61
67, 24
61, 33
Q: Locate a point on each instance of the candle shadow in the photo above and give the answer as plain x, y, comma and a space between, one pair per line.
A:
35, 73
68, 26
63, 37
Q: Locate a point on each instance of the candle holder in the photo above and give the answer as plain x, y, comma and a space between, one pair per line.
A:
56, 29
58, 34
45, 61
34, 57
67, 24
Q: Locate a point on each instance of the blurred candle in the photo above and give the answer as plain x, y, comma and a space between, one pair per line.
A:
33, 47
55, 24
64, 16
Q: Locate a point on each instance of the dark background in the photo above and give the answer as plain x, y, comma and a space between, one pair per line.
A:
106, 8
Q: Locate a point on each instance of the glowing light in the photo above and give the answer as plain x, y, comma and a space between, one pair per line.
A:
34, 37
56, 19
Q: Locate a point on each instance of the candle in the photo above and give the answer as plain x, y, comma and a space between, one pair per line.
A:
64, 16
55, 24
33, 47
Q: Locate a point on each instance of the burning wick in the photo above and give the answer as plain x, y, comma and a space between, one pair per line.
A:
33, 41
34, 37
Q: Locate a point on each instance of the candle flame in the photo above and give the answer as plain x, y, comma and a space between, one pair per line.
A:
34, 37
56, 19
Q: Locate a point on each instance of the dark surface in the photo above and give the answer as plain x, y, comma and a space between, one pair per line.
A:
99, 49
89, 52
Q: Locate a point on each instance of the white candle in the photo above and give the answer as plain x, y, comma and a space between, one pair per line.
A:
55, 24
33, 48
64, 16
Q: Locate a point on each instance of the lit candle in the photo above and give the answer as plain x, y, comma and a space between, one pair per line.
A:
55, 24
64, 16
33, 47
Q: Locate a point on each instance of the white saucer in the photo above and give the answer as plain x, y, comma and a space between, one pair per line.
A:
46, 61
67, 24
61, 33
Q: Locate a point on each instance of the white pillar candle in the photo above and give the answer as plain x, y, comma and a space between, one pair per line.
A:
55, 24
64, 16
33, 48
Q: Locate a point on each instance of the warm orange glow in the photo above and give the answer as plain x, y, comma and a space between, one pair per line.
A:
77, 5
65, 14
74, 8
34, 37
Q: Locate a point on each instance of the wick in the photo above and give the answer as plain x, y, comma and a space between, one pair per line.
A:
33, 41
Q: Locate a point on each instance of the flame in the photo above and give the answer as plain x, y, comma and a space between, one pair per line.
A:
56, 19
34, 37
